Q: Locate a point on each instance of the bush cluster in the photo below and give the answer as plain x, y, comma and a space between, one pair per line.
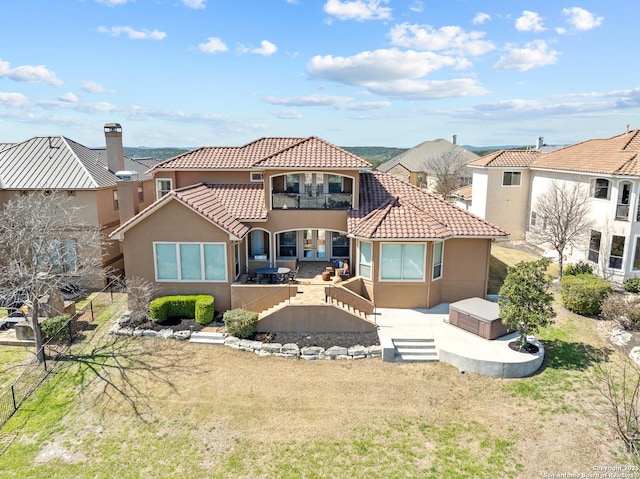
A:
240, 322
632, 284
583, 293
56, 328
198, 306
622, 308
573, 269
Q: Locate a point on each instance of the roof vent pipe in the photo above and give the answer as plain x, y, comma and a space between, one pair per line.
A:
539, 143
454, 140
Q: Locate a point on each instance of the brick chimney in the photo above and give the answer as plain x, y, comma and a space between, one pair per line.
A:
115, 151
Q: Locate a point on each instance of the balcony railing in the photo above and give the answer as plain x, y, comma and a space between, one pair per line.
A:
622, 212
330, 201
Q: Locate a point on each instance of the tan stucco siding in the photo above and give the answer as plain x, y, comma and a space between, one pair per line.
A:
188, 178
507, 206
465, 269
175, 222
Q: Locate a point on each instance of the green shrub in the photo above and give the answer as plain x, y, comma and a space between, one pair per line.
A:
622, 308
240, 322
583, 293
56, 328
632, 284
165, 307
573, 269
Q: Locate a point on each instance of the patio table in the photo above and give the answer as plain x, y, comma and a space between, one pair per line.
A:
272, 273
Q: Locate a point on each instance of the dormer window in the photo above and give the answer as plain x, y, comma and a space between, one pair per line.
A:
600, 188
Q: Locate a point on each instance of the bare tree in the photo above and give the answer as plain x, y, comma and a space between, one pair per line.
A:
448, 170
45, 246
140, 292
562, 217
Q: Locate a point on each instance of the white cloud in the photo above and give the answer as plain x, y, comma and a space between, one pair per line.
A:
427, 90
29, 74
287, 114
93, 87
132, 33
581, 19
113, 3
416, 6
13, 100
69, 98
449, 39
359, 10
534, 54
213, 45
195, 4
529, 22
480, 18
266, 48
334, 101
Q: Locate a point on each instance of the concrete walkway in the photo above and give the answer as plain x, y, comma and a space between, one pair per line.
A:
455, 346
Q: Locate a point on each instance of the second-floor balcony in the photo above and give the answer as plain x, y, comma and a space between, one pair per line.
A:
330, 201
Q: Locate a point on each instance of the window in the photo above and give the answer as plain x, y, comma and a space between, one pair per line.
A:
365, 259
140, 192
594, 246
236, 258
437, 260
617, 252
255, 176
163, 186
532, 222
334, 183
339, 245
636, 256
292, 183
511, 178
259, 245
600, 188
402, 261
57, 256
190, 262
287, 244
115, 200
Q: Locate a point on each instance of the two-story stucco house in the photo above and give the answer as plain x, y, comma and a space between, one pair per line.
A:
90, 178
222, 211
507, 184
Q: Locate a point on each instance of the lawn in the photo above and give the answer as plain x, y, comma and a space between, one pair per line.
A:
502, 257
148, 407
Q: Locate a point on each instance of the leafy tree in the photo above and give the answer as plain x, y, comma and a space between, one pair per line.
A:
563, 212
524, 298
45, 245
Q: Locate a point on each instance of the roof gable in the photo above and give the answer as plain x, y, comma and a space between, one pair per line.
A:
507, 159
415, 158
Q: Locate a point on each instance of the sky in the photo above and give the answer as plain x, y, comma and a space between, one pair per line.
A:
395, 73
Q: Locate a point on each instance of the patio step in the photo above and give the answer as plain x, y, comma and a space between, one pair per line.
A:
207, 337
415, 349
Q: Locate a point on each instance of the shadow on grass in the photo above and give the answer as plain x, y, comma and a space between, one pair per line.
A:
572, 356
497, 274
129, 371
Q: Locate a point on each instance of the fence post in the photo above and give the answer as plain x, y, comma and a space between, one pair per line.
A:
13, 397
91, 307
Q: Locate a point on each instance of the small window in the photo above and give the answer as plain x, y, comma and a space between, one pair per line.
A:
256, 176
636, 256
163, 186
365, 259
437, 260
594, 246
600, 188
617, 252
511, 178
115, 200
140, 192
532, 222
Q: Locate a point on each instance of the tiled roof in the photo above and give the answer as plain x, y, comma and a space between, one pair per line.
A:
297, 153
394, 209
508, 158
616, 156
463, 192
414, 159
58, 163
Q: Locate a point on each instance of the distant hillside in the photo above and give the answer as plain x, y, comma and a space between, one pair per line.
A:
375, 154
158, 153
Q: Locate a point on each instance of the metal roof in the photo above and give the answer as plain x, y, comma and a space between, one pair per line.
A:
57, 162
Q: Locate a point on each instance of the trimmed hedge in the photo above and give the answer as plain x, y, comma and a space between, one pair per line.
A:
240, 322
199, 306
56, 328
584, 293
573, 269
632, 285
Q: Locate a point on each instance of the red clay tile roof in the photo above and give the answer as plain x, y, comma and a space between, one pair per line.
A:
394, 209
508, 158
463, 192
616, 156
296, 153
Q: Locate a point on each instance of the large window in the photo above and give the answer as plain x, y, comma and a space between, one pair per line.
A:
163, 186
191, 261
402, 261
600, 188
594, 246
437, 260
365, 259
287, 244
617, 252
511, 178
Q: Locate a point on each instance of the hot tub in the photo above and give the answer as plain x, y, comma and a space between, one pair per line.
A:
478, 316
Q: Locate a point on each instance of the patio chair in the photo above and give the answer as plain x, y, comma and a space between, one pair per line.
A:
251, 277
292, 275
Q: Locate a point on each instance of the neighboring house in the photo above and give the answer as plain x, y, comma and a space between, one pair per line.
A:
222, 211
85, 175
608, 169
462, 197
413, 165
